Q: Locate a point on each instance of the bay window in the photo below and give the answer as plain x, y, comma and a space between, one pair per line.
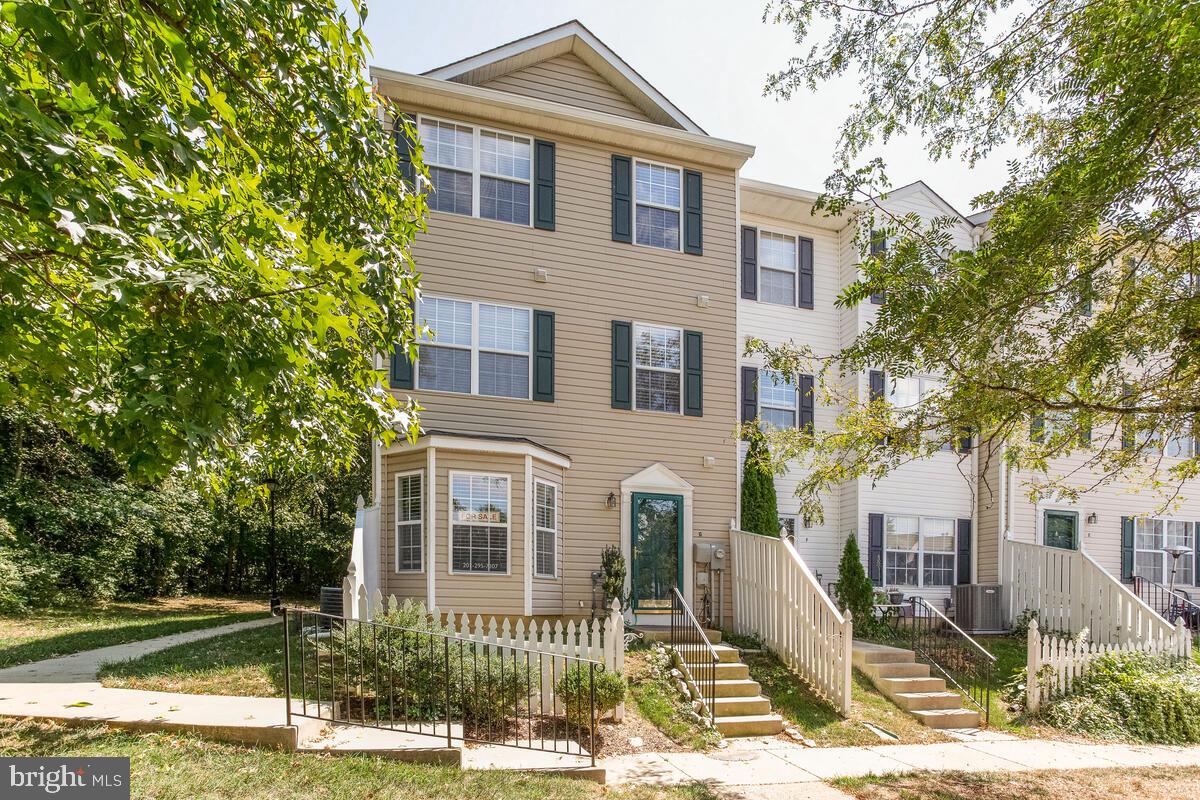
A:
545, 528
479, 523
409, 528
474, 348
658, 363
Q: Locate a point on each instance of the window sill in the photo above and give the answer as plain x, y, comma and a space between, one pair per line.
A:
465, 394
456, 215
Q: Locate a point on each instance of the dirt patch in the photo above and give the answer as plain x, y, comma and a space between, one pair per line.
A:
613, 737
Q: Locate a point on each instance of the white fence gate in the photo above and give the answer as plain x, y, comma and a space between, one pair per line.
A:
777, 599
1054, 664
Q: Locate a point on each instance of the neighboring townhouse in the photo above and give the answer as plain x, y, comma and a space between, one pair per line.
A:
914, 526
577, 276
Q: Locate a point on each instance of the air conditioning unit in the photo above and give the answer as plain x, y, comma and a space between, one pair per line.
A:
979, 608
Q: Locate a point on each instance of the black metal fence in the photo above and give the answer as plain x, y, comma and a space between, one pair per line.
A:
430, 682
697, 656
946, 648
1172, 604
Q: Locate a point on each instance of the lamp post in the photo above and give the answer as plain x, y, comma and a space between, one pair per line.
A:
272, 548
1176, 552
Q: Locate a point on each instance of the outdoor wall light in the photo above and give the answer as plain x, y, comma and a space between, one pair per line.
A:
1091, 518
611, 500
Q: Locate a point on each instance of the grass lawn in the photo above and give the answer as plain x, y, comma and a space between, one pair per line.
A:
1161, 783
1010, 653
245, 664
798, 704
169, 766
72, 629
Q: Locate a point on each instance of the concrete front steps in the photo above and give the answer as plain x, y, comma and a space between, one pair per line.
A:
896, 673
737, 702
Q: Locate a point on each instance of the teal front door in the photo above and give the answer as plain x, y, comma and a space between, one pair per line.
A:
657, 550
1061, 529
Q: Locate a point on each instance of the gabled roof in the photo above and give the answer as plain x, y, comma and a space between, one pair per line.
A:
922, 186
570, 37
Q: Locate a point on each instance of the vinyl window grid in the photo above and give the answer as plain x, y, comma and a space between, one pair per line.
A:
777, 393
545, 537
476, 348
662, 206
1152, 537
410, 515
791, 267
504, 526
476, 171
921, 558
639, 367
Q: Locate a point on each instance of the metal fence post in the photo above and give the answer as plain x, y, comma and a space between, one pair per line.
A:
287, 664
449, 729
592, 703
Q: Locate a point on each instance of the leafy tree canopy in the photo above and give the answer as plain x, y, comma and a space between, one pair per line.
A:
203, 231
1080, 305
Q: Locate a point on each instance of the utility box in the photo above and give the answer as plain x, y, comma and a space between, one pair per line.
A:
979, 608
702, 552
720, 556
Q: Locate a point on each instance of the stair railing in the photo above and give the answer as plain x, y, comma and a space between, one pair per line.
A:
698, 658
1172, 604
937, 641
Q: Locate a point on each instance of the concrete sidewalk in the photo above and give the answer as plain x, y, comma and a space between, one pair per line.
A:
750, 768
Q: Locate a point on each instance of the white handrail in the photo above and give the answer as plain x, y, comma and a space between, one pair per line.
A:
777, 599
1071, 592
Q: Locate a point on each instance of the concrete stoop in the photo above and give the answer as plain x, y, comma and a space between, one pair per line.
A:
896, 673
738, 704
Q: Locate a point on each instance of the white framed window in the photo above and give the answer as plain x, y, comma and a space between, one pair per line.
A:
777, 270
787, 526
908, 393
410, 521
1153, 540
545, 527
919, 551
479, 504
478, 172
658, 193
474, 348
776, 399
658, 367
1154, 444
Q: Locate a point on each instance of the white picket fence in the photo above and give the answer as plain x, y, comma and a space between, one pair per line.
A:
1071, 592
1053, 664
597, 640
777, 599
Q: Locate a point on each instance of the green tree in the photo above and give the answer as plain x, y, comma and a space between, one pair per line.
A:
853, 589
1080, 306
204, 232
760, 511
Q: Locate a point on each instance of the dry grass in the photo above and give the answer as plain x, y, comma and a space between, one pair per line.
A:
1160, 783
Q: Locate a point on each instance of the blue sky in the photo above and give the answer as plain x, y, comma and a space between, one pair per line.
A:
710, 58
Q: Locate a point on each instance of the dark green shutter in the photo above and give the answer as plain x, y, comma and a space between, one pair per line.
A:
1085, 433
806, 403
964, 440
543, 356
806, 273
749, 394
693, 212
1085, 294
964, 551
1037, 428
622, 199
543, 185
1127, 549
622, 365
401, 372
405, 147
749, 263
876, 385
693, 373
875, 548
878, 247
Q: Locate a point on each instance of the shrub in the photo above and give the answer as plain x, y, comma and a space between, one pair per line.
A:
488, 689
854, 589
575, 690
612, 565
1150, 698
760, 511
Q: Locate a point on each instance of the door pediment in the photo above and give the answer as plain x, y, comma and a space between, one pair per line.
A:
656, 478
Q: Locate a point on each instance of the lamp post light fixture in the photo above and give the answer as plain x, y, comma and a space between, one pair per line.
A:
1176, 552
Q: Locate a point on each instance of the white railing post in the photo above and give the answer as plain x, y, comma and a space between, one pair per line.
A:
847, 661
1033, 667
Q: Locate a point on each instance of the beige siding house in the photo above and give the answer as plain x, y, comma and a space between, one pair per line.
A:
577, 276
592, 268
